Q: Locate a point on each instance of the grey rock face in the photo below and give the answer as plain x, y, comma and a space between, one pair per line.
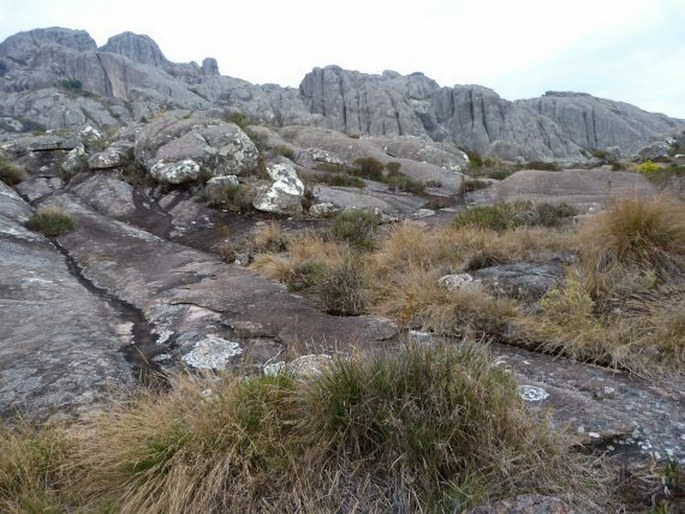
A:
424, 150
210, 66
176, 148
356, 103
47, 73
139, 48
78, 360
597, 123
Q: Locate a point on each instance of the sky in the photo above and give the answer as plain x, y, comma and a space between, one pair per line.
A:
627, 50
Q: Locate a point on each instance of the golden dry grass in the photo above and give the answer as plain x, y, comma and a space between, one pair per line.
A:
425, 429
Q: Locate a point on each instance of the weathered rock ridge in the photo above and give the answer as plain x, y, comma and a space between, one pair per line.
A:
58, 78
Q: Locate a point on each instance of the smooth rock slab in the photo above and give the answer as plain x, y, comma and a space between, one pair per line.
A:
60, 344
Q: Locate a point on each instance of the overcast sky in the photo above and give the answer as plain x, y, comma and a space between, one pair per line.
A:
628, 50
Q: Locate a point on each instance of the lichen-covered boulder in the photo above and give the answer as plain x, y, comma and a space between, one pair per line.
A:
284, 195
115, 156
180, 147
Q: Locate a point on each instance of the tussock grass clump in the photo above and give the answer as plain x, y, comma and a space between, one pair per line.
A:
636, 233
30, 461
508, 216
414, 297
51, 221
342, 289
356, 227
425, 429
10, 173
438, 424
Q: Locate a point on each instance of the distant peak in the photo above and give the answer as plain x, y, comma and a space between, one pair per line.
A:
137, 47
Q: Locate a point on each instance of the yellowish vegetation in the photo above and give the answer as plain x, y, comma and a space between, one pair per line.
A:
425, 429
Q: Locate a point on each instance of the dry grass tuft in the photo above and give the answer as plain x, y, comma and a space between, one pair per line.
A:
30, 460
641, 234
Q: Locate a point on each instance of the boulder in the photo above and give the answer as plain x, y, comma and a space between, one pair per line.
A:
284, 195
179, 147
115, 156
424, 150
654, 151
524, 280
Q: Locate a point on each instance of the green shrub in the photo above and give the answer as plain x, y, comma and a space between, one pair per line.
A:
357, 227
342, 289
51, 221
238, 118
370, 168
499, 174
402, 183
393, 167
599, 154
469, 185
285, 151
508, 216
306, 275
344, 181
72, 84
333, 167
543, 165
10, 173
234, 197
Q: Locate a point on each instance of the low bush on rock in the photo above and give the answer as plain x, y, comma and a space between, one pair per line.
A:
234, 197
509, 216
10, 173
51, 221
357, 227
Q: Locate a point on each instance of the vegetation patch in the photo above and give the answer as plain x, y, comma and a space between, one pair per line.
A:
10, 173
509, 216
234, 197
51, 221
356, 226
425, 429
342, 289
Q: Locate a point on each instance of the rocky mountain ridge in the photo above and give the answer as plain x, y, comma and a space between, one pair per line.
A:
58, 78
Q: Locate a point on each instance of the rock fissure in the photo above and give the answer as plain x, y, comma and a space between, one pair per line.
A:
143, 345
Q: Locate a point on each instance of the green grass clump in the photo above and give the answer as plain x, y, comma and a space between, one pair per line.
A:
51, 221
509, 216
426, 428
233, 197
10, 173
357, 227
285, 151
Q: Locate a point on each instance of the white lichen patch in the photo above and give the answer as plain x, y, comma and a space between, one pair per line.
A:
531, 393
274, 368
213, 352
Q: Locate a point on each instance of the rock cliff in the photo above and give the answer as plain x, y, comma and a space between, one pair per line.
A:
55, 77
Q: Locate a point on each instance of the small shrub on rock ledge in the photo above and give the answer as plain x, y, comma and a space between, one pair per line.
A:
10, 173
51, 221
